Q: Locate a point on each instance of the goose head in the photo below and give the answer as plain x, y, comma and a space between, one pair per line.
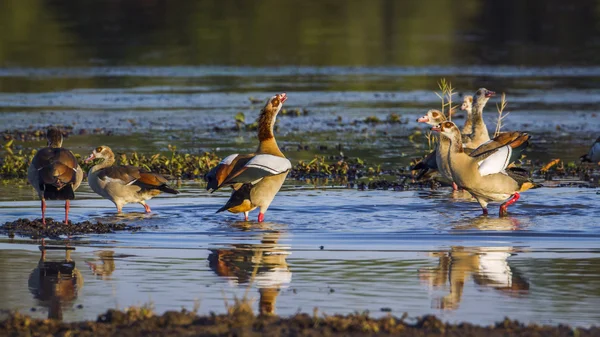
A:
54, 137
103, 152
483, 95
268, 115
467, 103
433, 117
447, 129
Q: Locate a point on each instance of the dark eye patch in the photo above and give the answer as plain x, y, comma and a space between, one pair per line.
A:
275, 102
99, 149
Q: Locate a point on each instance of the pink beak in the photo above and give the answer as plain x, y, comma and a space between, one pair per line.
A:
436, 128
90, 158
490, 94
423, 119
283, 97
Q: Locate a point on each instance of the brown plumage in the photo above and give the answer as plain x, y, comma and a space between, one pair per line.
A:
124, 184
54, 173
480, 132
257, 177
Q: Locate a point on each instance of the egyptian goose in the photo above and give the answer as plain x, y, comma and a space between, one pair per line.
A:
593, 156
257, 177
54, 173
468, 107
433, 118
484, 171
124, 184
480, 133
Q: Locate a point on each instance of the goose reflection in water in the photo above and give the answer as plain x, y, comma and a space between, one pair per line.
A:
487, 266
103, 265
55, 282
238, 262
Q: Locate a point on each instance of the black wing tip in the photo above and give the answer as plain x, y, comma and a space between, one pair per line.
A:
168, 189
585, 159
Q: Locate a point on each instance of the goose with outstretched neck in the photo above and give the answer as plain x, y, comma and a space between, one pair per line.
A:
484, 172
256, 177
480, 132
124, 184
467, 106
54, 173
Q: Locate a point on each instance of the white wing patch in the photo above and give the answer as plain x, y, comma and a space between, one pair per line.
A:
114, 180
229, 159
270, 163
496, 162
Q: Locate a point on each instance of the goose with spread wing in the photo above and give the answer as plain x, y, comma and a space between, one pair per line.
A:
484, 172
257, 177
124, 184
54, 173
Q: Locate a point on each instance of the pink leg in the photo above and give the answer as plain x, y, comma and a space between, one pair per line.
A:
454, 186
245, 216
67, 206
485, 211
148, 210
44, 212
261, 217
504, 206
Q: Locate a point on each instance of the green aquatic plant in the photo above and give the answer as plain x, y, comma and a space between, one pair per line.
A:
344, 168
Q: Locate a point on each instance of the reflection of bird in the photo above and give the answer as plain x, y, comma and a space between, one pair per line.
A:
54, 173
267, 259
107, 265
257, 177
486, 223
124, 184
55, 283
487, 265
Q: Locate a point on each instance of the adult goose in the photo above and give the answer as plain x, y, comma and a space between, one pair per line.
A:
480, 132
593, 156
484, 172
54, 173
256, 177
124, 184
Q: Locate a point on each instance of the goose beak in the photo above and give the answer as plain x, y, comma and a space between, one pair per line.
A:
436, 128
283, 97
490, 93
423, 119
90, 158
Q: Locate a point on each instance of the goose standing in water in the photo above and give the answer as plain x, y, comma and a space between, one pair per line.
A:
257, 177
54, 173
484, 172
124, 184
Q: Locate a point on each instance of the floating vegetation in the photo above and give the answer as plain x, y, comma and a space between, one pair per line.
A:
54, 229
392, 118
342, 167
175, 165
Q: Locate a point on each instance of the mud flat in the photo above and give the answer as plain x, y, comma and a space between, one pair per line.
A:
141, 322
55, 229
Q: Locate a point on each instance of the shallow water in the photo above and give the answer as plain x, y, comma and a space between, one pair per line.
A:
339, 250
165, 73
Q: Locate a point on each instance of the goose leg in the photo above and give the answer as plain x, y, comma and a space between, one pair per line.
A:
147, 208
504, 206
67, 206
261, 217
245, 216
454, 186
44, 212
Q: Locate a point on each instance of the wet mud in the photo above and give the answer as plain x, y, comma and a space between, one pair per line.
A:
55, 229
140, 322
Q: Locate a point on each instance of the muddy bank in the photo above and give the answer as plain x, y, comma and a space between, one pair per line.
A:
55, 229
140, 322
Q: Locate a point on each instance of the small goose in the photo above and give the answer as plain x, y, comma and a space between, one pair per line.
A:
124, 184
484, 172
480, 132
54, 173
468, 107
593, 156
257, 177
